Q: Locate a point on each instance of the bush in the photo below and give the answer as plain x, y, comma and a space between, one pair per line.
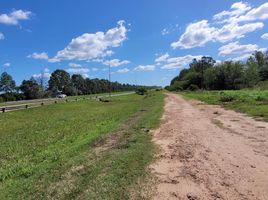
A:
260, 98
9, 96
227, 98
193, 87
141, 91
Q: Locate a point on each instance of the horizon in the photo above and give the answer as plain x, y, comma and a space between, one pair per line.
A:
144, 43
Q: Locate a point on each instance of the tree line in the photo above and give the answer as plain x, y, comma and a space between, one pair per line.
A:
60, 82
229, 75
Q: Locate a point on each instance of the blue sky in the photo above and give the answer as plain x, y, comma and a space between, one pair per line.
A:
144, 42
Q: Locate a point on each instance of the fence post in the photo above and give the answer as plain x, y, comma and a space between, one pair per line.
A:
3, 110
56, 102
42, 103
26, 106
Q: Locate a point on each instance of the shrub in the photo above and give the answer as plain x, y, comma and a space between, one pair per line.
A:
141, 91
227, 98
193, 87
260, 98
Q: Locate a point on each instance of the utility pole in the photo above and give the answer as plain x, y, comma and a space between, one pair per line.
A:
110, 81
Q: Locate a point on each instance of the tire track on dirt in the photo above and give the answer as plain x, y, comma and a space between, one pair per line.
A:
210, 153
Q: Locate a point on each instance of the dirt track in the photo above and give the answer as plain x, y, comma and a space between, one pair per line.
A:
210, 153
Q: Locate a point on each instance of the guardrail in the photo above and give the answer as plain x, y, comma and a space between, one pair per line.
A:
39, 102
4, 109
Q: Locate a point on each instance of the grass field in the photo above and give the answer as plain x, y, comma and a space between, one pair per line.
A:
85, 149
252, 102
11, 103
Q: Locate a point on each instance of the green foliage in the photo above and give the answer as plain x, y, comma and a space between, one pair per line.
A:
79, 84
226, 98
262, 85
141, 91
31, 89
261, 61
260, 98
60, 81
7, 84
11, 96
193, 87
228, 75
252, 102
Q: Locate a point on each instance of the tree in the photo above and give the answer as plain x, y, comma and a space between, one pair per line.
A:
261, 61
251, 75
200, 66
141, 91
7, 84
60, 81
78, 83
233, 73
31, 89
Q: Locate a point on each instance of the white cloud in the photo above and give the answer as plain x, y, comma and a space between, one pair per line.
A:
6, 65
259, 13
238, 52
265, 36
98, 60
85, 75
123, 71
115, 62
40, 56
231, 24
94, 45
46, 70
199, 33
237, 9
242, 12
45, 74
179, 62
2, 36
78, 70
235, 31
94, 69
74, 65
196, 34
53, 60
162, 58
14, 17
241, 58
234, 48
145, 68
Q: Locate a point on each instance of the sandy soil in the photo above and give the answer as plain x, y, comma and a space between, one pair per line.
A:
207, 152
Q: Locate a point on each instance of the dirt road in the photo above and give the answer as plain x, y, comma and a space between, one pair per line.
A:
210, 153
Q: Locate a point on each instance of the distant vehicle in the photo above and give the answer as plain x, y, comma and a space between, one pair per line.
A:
61, 96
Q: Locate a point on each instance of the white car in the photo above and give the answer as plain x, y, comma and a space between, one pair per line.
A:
61, 96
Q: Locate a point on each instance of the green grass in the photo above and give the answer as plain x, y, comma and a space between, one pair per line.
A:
41, 148
252, 102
